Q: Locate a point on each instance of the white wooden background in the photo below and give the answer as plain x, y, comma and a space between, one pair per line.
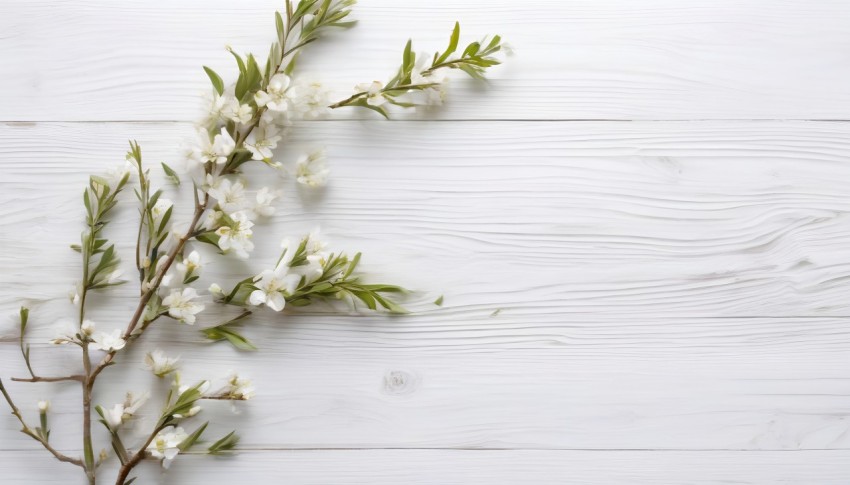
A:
653, 194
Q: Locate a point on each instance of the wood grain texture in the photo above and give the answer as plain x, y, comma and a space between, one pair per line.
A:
643, 302
689, 219
658, 284
556, 382
611, 59
468, 467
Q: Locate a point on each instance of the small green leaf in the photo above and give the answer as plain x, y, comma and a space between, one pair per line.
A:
215, 79
439, 301
224, 332
278, 21
453, 40
225, 444
192, 438
171, 174
25, 313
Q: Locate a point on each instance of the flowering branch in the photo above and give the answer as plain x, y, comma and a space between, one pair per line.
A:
246, 121
425, 77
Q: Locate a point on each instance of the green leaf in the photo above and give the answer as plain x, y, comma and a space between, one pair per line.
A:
171, 174
453, 40
224, 332
439, 301
352, 266
407, 57
225, 444
378, 109
25, 314
239, 61
192, 438
278, 21
216, 81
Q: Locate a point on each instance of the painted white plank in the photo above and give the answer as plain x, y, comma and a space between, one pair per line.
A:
468, 467
513, 381
611, 59
694, 219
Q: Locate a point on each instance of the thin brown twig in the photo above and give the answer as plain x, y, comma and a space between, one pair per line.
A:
27, 431
76, 377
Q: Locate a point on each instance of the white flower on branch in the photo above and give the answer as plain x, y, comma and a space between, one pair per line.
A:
123, 412
276, 97
272, 285
43, 406
216, 291
229, 195
311, 101
166, 444
160, 364
236, 237
108, 342
374, 96
160, 208
238, 113
87, 328
74, 294
262, 141
265, 198
212, 150
239, 388
311, 170
181, 305
190, 265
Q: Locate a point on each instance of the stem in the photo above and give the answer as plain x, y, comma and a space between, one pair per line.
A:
137, 457
77, 377
27, 431
88, 384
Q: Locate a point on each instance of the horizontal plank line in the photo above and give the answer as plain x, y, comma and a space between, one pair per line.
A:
494, 450
466, 120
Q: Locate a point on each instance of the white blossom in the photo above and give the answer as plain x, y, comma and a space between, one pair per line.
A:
118, 172
160, 208
230, 195
265, 199
238, 113
315, 245
212, 150
123, 412
74, 294
262, 141
216, 291
108, 342
181, 305
374, 96
189, 266
271, 286
311, 101
43, 406
87, 328
212, 219
66, 333
239, 388
165, 444
160, 364
311, 170
237, 235
275, 97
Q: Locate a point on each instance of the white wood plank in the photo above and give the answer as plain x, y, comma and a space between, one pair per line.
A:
689, 219
467, 467
611, 59
512, 381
